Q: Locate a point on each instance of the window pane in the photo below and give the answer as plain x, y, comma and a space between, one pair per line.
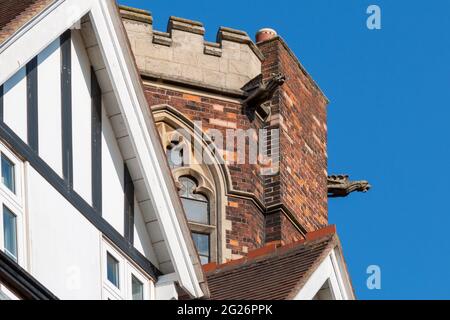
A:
202, 243
8, 173
204, 259
112, 270
188, 187
196, 211
10, 232
137, 289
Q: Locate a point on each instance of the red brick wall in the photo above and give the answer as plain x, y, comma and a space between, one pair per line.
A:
299, 111
246, 218
300, 187
280, 228
214, 114
247, 231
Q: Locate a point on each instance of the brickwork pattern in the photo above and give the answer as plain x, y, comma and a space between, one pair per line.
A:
299, 111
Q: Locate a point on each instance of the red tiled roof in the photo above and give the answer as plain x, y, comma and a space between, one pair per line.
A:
271, 273
16, 13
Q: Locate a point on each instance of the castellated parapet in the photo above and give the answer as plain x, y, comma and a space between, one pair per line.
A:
181, 54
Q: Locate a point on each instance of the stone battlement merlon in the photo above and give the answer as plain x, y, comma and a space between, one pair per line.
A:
182, 54
229, 34
176, 23
136, 14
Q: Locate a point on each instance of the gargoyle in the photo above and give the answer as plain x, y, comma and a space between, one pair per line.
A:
340, 186
259, 92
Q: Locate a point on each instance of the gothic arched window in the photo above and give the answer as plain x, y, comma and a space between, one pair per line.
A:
196, 207
202, 187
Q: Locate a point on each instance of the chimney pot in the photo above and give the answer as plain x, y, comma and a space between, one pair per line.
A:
265, 34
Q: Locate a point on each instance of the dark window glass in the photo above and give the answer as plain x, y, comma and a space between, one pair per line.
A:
8, 176
10, 233
112, 266
202, 243
137, 289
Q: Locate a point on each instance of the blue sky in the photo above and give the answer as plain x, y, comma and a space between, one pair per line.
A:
388, 123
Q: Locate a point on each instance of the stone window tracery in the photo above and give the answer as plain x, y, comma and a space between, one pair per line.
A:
196, 205
201, 184
197, 209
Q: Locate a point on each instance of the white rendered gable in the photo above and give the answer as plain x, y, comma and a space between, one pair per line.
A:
126, 108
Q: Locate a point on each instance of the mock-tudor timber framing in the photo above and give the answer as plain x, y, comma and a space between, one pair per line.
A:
1, 102
109, 31
96, 143
32, 104
66, 107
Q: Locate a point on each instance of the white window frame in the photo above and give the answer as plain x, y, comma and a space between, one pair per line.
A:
117, 270
17, 197
147, 284
111, 289
15, 203
126, 271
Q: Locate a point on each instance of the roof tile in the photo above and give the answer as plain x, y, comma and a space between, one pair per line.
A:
272, 273
15, 14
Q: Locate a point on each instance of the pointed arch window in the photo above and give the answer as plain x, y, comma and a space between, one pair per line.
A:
200, 188
196, 206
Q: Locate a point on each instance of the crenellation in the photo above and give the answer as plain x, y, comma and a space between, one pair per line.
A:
232, 35
137, 20
181, 24
136, 14
162, 38
213, 49
182, 54
228, 36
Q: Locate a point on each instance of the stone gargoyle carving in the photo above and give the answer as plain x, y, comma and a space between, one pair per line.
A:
259, 92
340, 186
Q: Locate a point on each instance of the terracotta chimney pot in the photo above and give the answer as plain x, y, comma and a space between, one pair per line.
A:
265, 34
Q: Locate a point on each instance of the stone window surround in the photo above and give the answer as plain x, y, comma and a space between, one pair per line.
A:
211, 182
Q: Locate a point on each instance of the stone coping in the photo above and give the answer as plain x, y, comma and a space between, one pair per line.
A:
191, 26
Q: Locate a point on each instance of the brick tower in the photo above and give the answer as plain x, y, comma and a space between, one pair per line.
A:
296, 198
229, 84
